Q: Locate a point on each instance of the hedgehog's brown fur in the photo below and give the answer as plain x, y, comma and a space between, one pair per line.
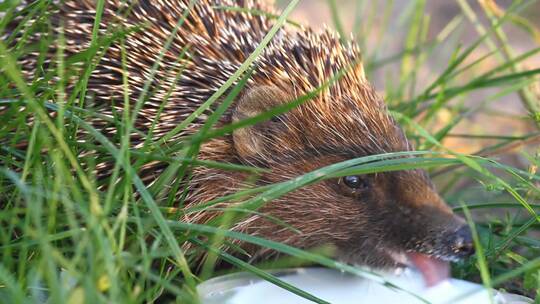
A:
398, 212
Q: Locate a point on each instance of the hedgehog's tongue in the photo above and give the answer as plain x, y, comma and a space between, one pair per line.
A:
433, 270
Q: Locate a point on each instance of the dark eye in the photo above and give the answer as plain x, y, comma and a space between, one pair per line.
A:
354, 181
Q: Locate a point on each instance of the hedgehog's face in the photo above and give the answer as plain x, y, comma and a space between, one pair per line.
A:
380, 220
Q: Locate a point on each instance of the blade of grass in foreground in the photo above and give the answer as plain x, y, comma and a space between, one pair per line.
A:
482, 263
281, 109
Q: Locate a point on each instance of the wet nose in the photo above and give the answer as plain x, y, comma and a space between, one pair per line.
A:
462, 244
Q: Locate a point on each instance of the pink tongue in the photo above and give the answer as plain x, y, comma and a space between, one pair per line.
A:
433, 270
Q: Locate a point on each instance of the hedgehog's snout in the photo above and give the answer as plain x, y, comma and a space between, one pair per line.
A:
461, 242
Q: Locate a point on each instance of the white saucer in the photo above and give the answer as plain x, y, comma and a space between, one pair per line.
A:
340, 288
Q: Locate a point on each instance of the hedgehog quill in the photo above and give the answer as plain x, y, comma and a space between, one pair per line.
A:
383, 220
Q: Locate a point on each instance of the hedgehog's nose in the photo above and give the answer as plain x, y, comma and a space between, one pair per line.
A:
462, 242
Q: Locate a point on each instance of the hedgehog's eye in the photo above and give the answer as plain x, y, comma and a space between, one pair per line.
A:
354, 182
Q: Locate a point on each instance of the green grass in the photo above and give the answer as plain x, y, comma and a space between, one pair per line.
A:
63, 237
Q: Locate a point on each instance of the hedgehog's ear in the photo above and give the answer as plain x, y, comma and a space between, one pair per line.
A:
250, 141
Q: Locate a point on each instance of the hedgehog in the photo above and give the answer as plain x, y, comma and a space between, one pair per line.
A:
383, 220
